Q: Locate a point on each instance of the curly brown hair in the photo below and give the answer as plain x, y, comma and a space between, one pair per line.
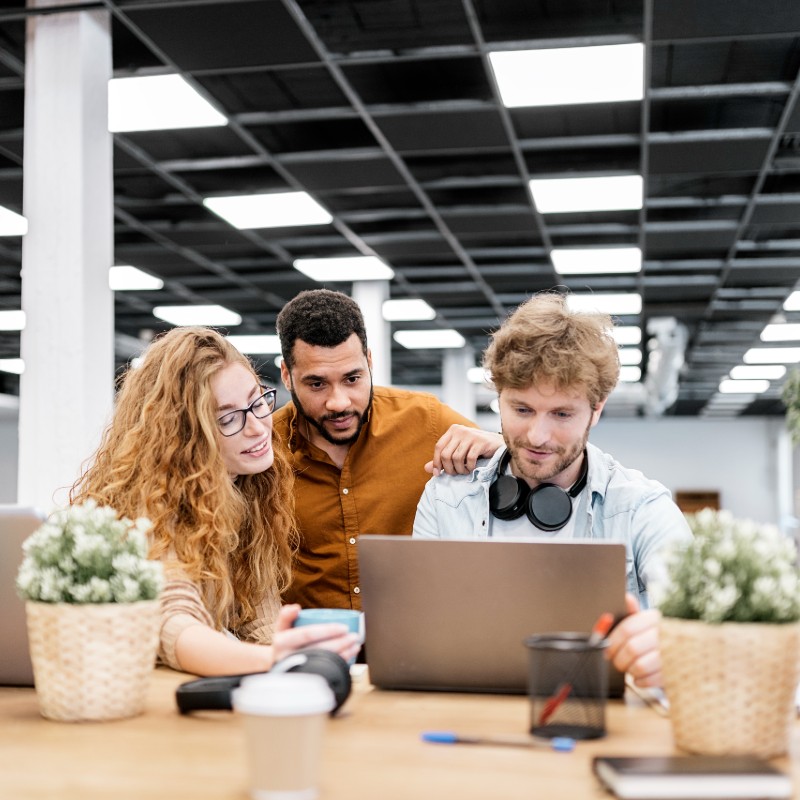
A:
160, 458
543, 342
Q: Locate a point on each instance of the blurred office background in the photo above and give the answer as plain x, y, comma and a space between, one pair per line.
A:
446, 159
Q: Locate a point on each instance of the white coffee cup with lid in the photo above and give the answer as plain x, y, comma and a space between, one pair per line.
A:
284, 716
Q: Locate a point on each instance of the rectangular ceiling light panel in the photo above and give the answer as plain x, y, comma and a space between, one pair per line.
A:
12, 320
423, 340
772, 355
406, 310
781, 332
197, 315
131, 279
568, 75
11, 223
277, 210
256, 344
602, 193
158, 102
347, 268
596, 260
605, 303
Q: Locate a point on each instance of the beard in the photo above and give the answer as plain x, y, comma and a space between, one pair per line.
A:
319, 424
565, 457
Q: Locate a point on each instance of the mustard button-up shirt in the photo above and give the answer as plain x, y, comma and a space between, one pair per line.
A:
376, 491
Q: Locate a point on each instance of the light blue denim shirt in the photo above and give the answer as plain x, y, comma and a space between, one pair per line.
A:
623, 505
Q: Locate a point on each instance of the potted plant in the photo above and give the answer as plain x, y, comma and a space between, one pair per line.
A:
730, 637
92, 612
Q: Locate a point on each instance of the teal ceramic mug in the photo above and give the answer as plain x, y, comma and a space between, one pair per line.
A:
353, 619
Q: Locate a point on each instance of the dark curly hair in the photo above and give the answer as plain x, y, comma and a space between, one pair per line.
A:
321, 318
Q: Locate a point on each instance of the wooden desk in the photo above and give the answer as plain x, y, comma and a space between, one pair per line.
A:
373, 750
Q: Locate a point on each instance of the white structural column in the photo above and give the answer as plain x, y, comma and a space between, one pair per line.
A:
66, 391
370, 296
457, 391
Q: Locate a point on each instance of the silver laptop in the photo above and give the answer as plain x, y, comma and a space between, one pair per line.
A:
16, 524
453, 615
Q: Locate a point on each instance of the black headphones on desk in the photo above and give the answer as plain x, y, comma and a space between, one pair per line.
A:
547, 505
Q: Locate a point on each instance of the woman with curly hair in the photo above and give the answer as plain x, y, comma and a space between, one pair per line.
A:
190, 447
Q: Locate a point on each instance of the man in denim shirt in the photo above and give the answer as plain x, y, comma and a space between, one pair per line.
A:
553, 370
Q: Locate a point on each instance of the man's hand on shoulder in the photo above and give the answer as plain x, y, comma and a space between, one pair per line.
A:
458, 451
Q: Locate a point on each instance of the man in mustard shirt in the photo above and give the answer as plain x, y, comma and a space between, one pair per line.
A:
360, 452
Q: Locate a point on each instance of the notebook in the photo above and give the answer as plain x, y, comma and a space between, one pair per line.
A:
16, 524
452, 615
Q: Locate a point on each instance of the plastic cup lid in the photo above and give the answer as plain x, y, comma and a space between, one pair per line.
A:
283, 694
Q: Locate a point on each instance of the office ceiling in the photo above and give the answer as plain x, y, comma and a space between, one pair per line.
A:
386, 112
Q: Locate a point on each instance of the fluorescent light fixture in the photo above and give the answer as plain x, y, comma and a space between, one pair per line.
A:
792, 302
348, 268
429, 340
131, 279
478, 375
743, 387
276, 210
630, 374
610, 193
157, 103
629, 356
12, 320
772, 355
568, 75
495, 405
627, 334
596, 260
769, 372
606, 303
405, 310
781, 332
256, 344
197, 315
11, 223
16, 366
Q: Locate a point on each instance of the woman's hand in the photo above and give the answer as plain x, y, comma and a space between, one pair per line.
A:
633, 644
326, 635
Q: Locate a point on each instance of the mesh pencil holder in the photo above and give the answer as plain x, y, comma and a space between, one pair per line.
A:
567, 686
92, 661
731, 686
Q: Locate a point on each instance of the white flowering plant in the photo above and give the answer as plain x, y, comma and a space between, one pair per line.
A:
734, 570
87, 554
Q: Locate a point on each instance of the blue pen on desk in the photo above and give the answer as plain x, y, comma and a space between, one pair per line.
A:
562, 744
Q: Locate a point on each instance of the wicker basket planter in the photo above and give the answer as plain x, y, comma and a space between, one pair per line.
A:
92, 661
731, 686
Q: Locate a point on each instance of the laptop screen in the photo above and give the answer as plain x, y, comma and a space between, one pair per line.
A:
453, 614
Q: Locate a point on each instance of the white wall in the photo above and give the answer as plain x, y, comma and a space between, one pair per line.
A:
737, 457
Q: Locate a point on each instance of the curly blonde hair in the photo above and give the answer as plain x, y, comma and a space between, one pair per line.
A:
544, 342
160, 458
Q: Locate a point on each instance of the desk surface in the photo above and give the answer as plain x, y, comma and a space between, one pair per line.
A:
372, 750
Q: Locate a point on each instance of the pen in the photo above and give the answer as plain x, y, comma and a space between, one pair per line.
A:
599, 631
562, 744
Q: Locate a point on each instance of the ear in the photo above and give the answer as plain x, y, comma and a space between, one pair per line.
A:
285, 376
598, 409
369, 359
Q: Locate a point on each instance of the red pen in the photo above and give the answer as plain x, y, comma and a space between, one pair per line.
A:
599, 631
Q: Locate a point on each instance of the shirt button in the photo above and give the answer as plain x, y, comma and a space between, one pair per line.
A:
352, 540
356, 590
345, 491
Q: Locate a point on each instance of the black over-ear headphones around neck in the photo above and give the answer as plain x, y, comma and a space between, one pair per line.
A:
547, 505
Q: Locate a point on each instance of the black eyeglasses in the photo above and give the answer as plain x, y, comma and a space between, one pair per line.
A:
234, 421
